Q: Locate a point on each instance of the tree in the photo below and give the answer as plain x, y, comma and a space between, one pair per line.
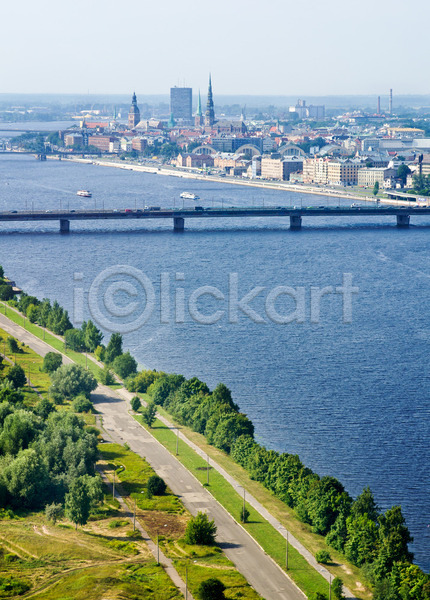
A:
6, 292
1, 272
53, 512
106, 376
114, 348
70, 380
402, 172
20, 428
52, 361
44, 408
32, 313
12, 345
78, 502
135, 403
200, 530
125, 365
211, 589
92, 336
149, 413
16, 376
336, 588
26, 479
142, 381
376, 188
244, 515
74, 339
156, 486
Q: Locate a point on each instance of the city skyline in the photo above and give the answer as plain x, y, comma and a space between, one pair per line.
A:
330, 49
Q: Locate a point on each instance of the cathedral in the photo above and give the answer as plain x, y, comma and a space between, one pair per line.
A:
133, 113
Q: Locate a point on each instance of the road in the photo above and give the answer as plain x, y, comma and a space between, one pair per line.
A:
265, 576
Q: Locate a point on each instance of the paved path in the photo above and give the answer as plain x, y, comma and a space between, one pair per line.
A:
265, 576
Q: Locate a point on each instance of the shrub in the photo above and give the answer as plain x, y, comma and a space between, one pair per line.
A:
52, 362
82, 404
6, 292
322, 556
99, 353
200, 530
135, 403
211, 589
156, 486
336, 588
244, 515
107, 377
17, 376
149, 414
53, 512
12, 345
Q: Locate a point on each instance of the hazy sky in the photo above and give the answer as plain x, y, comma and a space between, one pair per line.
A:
285, 47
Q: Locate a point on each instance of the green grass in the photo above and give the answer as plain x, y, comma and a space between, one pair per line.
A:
305, 576
50, 339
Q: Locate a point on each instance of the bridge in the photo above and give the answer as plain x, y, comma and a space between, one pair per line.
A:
178, 216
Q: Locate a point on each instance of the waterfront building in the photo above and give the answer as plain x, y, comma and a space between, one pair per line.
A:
280, 168
181, 103
133, 113
367, 177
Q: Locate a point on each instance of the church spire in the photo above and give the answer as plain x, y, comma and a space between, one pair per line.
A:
210, 113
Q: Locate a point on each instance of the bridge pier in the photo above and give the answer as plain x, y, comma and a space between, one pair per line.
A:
178, 223
403, 220
295, 222
64, 226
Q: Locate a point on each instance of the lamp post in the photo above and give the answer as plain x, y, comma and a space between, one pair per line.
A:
113, 486
207, 470
134, 516
177, 441
286, 554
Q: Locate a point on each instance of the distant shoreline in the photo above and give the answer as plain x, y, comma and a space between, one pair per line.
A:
279, 186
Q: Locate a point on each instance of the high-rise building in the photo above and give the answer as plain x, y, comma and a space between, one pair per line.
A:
181, 100
133, 113
210, 113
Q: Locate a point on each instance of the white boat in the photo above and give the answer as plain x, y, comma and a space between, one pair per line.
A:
84, 193
189, 196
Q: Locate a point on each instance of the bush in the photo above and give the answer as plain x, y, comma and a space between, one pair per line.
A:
322, 556
81, 404
107, 377
99, 353
149, 414
244, 515
135, 403
17, 376
12, 345
156, 486
336, 588
52, 362
200, 530
211, 589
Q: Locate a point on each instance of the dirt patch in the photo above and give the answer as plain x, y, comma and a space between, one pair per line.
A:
169, 526
345, 568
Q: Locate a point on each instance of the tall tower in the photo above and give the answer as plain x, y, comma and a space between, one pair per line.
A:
198, 119
210, 113
379, 106
133, 113
390, 108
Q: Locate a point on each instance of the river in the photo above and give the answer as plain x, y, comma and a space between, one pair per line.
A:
346, 389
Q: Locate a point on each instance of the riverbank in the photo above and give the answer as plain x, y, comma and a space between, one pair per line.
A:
251, 183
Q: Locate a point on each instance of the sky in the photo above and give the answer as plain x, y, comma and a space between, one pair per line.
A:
265, 47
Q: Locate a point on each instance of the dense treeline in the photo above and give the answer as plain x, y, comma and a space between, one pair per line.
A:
375, 541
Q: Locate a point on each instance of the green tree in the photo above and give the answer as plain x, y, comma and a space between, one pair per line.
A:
211, 589
135, 403
20, 428
336, 588
12, 345
32, 313
74, 339
1, 272
78, 502
125, 365
200, 530
114, 347
402, 172
51, 362
44, 408
53, 512
244, 515
376, 188
156, 486
6, 292
70, 380
92, 336
106, 376
8, 393
142, 381
149, 413
26, 479
16, 376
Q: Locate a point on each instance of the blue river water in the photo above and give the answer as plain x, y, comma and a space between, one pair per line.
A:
346, 388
